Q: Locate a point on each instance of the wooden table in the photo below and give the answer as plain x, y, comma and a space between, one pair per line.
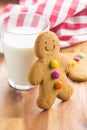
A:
18, 109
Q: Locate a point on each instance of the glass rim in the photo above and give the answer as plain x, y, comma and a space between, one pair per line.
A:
30, 13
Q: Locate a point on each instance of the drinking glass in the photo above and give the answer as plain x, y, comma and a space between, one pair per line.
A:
18, 33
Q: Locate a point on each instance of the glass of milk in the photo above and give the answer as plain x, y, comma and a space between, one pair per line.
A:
19, 32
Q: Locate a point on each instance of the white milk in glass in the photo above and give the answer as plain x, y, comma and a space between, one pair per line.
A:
19, 52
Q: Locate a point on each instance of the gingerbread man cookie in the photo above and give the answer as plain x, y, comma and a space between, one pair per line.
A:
49, 71
78, 58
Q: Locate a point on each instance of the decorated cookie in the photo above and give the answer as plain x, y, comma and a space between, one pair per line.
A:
78, 59
50, 70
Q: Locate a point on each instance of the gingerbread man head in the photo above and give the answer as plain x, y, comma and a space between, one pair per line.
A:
46, 45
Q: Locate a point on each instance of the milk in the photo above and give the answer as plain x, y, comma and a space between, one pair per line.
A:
19, 52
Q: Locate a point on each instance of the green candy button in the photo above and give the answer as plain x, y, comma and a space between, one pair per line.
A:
81, 54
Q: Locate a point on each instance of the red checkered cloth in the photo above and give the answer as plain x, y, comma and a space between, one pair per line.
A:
68, 18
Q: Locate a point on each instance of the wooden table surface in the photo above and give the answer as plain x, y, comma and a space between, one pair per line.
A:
18, 109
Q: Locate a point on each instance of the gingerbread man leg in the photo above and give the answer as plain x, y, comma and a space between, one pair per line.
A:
46, 97
65, 92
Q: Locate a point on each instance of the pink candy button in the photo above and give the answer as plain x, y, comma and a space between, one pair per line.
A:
55, 75
77, 58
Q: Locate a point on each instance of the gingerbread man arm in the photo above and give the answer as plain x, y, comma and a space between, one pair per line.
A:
34, 77
66, 62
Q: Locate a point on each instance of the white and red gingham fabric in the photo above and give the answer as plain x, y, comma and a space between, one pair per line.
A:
68, 18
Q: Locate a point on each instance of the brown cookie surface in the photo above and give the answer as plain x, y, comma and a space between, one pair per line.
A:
78, 59
50, 70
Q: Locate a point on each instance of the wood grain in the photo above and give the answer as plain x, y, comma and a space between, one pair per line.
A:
11, 124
